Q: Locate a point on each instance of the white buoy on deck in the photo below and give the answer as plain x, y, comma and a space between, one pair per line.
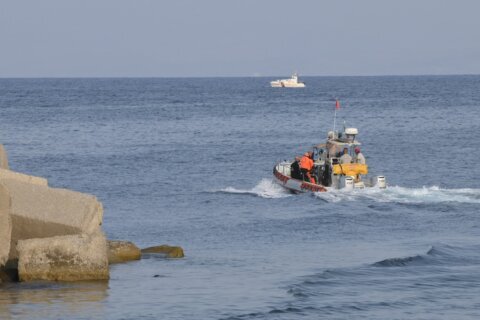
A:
381, 182
349, 184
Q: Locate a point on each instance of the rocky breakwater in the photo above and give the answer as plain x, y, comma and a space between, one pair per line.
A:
55, 234
48, 233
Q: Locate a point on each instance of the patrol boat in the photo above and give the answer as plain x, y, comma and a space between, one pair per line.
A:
288, 83
328, 170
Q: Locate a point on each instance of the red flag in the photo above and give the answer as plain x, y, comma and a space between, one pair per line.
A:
337, 104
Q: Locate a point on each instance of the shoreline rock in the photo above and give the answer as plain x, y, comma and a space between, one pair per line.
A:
122, 251
169, 251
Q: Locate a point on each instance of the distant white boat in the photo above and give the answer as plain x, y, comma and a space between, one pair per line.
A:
288, 83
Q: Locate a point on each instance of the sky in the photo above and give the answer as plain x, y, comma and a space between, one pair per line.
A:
212, 38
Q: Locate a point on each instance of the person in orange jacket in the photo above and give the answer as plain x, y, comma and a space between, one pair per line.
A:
306, 165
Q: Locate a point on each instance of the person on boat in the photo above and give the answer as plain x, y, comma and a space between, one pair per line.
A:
345, 158
359, 158
295, 169
306, 165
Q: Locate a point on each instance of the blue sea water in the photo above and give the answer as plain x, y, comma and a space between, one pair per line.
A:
188, 162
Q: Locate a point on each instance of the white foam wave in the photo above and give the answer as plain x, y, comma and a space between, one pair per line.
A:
397, 194
266, 188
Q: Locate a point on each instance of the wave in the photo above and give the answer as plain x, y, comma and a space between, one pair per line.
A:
266, 188
367, 287
398, 194
401, 262
436, 255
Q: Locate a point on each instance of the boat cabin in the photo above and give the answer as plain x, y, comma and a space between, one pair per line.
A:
327, 157
336, 144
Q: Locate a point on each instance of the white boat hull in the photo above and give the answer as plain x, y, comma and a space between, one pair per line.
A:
282, 175
295, 185
288, 83
282, 84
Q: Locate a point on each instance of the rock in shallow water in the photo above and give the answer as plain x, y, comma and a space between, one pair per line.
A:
122, 251
63, 258
168, 251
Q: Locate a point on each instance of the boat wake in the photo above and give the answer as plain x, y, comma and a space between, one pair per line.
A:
397, 194
266, 188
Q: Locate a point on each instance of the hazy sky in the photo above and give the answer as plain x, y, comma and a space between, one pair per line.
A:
56, 38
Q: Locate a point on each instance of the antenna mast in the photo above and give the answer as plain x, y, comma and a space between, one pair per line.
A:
337, 106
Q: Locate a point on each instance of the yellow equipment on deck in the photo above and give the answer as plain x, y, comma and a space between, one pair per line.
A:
350, 169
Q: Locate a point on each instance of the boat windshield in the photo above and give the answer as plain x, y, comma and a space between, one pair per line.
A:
335, 150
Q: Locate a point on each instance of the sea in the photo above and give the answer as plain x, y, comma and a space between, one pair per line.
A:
188, 162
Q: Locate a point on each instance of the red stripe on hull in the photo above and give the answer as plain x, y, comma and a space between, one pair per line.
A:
300, 186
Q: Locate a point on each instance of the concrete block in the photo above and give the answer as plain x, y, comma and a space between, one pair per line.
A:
20, 177
5, 224
38, 211
3, 157
63, 258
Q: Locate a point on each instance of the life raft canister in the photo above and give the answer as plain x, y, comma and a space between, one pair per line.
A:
350, 169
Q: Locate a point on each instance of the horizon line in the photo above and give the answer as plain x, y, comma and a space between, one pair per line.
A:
244, 76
